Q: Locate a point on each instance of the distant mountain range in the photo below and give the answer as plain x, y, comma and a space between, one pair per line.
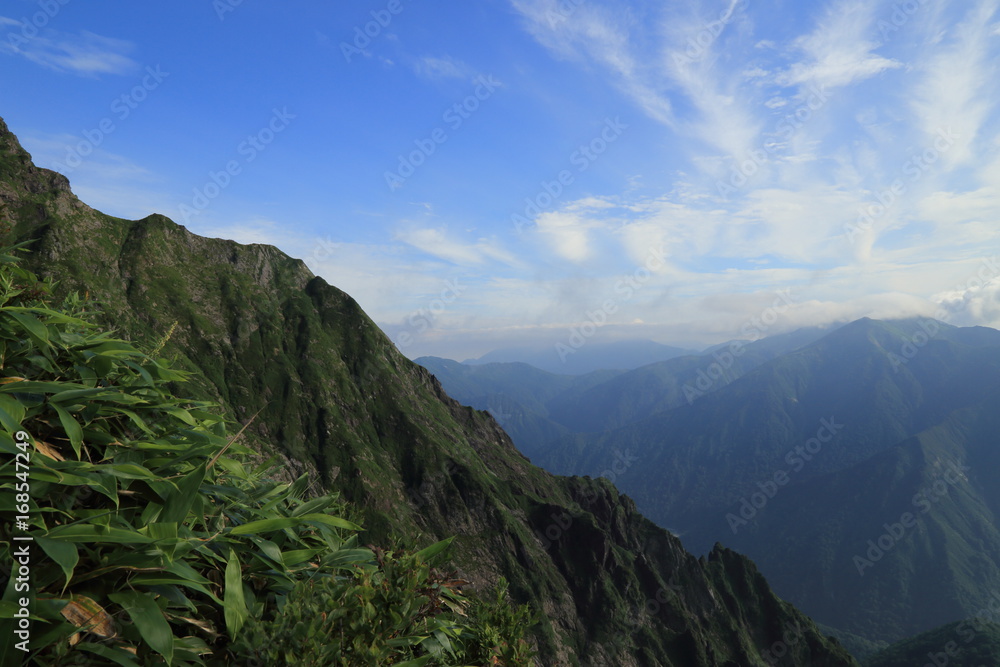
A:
856, 466
574, 357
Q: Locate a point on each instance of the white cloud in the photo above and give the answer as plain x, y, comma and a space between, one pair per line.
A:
958, 88
446, 67
567, 233
592, 33
86, 53
438, 243
977, 302
951, 208
839, 52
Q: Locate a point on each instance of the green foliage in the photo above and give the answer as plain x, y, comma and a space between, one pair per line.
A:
155, 541
404, 612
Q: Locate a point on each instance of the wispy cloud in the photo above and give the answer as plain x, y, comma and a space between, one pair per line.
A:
443, 67
438, 242
959, 83
839, 51
85, 54
600, 36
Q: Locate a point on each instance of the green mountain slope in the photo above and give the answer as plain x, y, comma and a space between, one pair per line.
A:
334, 398
970, 643
898, 544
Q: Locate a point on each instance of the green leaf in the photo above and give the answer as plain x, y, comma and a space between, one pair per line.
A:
72, 427
235, 603
149, 620
271, 550
93, 533
179, 502
32, 325
88, 393
63, 553
416, 662
328, 520
117, 655
434, 549
105, 484
314, 505
280, 523
7, 443
33, 387
265, 526
167, 580
293, 558
11, 413
181, 414
129, 471
53, 316
343, 558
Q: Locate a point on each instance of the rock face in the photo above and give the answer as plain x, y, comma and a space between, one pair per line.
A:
334, 398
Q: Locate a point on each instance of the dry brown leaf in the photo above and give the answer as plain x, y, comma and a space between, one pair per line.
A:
203, 625
84, 613
49, 450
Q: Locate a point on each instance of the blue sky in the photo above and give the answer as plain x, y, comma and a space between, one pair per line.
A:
503, 172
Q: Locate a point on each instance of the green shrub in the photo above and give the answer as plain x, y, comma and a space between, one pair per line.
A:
154, 539
405, 613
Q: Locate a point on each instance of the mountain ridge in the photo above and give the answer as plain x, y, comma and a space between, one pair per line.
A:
335, 399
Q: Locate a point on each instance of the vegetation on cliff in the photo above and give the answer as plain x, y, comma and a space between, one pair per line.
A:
156, 541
